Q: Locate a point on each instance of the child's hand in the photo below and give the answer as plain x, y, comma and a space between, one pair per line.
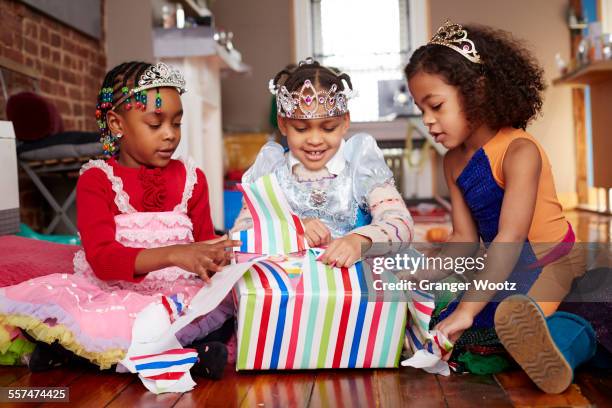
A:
317, 234
344, 252
204, 258
454, 325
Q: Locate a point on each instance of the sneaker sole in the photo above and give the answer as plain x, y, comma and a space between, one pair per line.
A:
523, 331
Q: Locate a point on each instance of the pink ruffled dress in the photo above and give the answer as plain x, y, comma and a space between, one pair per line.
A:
94, 318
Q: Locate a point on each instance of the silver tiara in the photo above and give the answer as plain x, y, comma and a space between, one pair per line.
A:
305, 103
156, 76
159, 75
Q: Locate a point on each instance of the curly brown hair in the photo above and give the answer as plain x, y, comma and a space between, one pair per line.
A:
505, 90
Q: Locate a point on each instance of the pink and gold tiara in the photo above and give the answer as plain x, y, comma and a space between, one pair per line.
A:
454, 36
305, 103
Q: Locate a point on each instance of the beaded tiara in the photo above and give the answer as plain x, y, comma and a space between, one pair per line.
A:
156, 76
455, 37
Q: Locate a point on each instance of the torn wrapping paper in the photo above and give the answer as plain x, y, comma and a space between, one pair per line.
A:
167, 368
155, 328
426, 347
276, 229
316, 316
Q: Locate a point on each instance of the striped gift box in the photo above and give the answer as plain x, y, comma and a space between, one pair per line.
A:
322, 318
276, 229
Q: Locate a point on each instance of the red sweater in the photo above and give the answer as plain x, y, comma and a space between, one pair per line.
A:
96, 210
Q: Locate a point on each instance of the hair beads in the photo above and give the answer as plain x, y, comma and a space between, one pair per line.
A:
158, 102
116, 82
127, 80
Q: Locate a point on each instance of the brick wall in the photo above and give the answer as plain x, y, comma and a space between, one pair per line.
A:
69, 65
38, 53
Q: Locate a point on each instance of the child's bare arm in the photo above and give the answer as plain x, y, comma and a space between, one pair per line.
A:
521, 167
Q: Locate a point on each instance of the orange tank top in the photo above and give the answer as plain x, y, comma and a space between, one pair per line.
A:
549, 224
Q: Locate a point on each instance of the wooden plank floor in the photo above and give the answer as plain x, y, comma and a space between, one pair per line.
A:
323, 388
332, 388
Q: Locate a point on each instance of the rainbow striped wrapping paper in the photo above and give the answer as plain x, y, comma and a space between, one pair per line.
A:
323, 317
276, 229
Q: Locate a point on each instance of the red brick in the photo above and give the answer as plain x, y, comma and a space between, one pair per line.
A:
8, 8
31, 30
64, 107
30, 47
51, 72
44, 34
13, 55
6, 37
51, 24
45, 53
36, 18
69, 77
17, 40
67, 61
62, 56
13, 23
64, 30
98, 72
82, 51
68, 45
69, 124
75, 94
21, 11
61, 90
47, 86
76, 35
89, 108
77, 109
55, 40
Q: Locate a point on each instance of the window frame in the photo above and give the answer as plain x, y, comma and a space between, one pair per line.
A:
302, 44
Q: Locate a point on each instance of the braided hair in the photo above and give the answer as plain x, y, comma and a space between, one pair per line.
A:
116, 84
293, 76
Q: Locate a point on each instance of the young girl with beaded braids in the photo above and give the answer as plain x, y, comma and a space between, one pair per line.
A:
329, 183
144, 221
478, 88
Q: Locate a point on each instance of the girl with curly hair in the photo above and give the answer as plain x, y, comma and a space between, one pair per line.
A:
478, 88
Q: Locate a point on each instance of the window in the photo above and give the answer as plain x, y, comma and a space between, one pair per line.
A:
369, 41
